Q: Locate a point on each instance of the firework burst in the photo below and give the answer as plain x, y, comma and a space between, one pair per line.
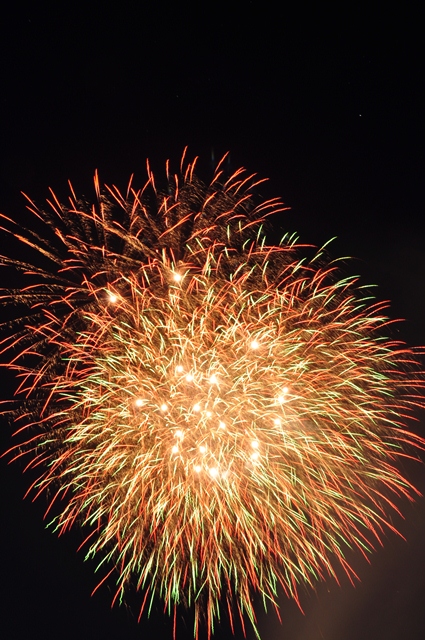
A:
221, 415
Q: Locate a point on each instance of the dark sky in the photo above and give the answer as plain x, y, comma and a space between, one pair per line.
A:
330, 107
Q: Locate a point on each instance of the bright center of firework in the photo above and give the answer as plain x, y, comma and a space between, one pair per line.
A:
221, 402
214, 405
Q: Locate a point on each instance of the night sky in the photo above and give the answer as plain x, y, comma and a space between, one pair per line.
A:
329, 107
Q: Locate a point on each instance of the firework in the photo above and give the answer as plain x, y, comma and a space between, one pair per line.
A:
222, 416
